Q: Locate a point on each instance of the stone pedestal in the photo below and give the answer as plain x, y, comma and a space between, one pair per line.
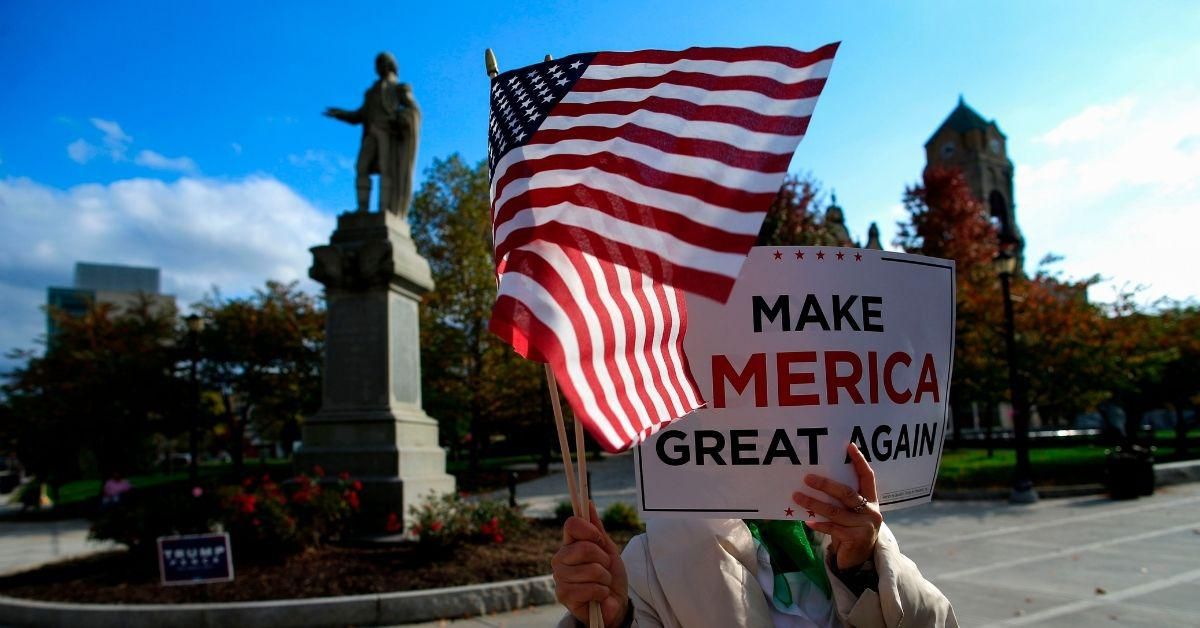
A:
371, 423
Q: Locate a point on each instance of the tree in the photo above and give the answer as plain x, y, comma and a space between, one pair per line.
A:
473, 382
946, 221
107, 381
262, 355
794, 220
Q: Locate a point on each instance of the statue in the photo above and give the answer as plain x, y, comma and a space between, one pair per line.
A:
391, 124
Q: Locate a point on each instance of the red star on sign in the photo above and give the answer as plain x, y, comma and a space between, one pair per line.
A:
841, 256
778, 255
788, 511
858, 257
799, 254
820, 254
812, 514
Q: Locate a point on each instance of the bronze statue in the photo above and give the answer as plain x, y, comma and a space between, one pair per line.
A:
391, 124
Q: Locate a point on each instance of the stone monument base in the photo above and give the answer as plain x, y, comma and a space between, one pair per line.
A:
371, 424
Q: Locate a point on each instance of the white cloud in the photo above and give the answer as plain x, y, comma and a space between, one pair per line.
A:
81, 151
200, 232
1117, 191
157, 161
116, 145
1091, 123
116, 140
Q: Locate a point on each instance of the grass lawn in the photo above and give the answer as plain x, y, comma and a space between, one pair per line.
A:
81, 491
1052, 466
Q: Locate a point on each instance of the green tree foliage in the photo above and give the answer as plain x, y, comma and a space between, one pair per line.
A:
262, 356
473, 382
89, 404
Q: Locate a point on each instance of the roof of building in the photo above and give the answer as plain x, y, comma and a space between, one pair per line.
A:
964, 119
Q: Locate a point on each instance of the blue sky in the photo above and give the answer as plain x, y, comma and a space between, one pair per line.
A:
188, 135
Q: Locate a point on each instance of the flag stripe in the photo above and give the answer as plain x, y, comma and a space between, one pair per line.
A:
705, 149
705, 190
667, 247
557, 304
602, 182
786, 56
752, 181
749, 120
753, 101
716, 84
685, 228
703, 281
732, 134
765, 69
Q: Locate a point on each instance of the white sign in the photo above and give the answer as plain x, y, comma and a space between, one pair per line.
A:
814, 348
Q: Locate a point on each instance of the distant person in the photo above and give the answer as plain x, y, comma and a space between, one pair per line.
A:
844, 572
114, 488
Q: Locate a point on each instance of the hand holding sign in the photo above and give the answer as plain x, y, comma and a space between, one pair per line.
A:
853, 519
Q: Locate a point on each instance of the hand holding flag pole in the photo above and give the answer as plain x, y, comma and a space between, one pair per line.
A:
577, 487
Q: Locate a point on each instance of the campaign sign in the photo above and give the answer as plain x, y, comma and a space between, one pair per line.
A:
816, 347
195, 559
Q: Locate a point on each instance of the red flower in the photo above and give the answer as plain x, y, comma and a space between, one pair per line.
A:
247, 482
357, 485
435, 526
319, 470
302, 496
266, 478
245, 503
393, 523
352, 499
344, 476
492, 529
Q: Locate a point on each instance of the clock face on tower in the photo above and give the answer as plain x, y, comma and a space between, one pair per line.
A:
994, 146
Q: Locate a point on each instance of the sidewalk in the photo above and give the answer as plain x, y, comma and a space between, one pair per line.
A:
27, 544
1080, 562
611, 481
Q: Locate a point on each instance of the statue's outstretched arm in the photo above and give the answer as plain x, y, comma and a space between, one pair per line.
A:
345, 115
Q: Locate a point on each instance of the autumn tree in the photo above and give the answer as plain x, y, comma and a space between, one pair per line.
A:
794, 218
473, 382
262, 357
946, 221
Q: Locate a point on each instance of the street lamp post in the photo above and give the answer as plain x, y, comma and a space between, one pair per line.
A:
1022, 490
195, 325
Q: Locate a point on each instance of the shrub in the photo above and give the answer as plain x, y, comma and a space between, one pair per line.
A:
148, 513
264, 519
443, 521
563, 511
621, 516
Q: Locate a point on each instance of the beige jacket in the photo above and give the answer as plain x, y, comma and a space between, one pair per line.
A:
697, 573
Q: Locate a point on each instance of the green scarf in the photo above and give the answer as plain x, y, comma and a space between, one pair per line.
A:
793, 550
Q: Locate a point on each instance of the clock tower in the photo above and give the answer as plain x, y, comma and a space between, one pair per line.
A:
967, 141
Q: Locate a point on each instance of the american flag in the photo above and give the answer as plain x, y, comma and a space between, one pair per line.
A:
618, 179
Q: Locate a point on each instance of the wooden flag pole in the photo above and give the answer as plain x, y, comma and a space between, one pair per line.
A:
564, 445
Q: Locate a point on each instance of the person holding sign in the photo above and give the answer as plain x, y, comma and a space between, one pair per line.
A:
844, 571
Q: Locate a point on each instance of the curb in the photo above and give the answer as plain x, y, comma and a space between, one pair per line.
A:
373, 609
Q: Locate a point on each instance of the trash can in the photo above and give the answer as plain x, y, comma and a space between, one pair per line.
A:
1129, 472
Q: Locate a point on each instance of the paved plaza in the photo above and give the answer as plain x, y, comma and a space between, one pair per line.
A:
1086, 561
